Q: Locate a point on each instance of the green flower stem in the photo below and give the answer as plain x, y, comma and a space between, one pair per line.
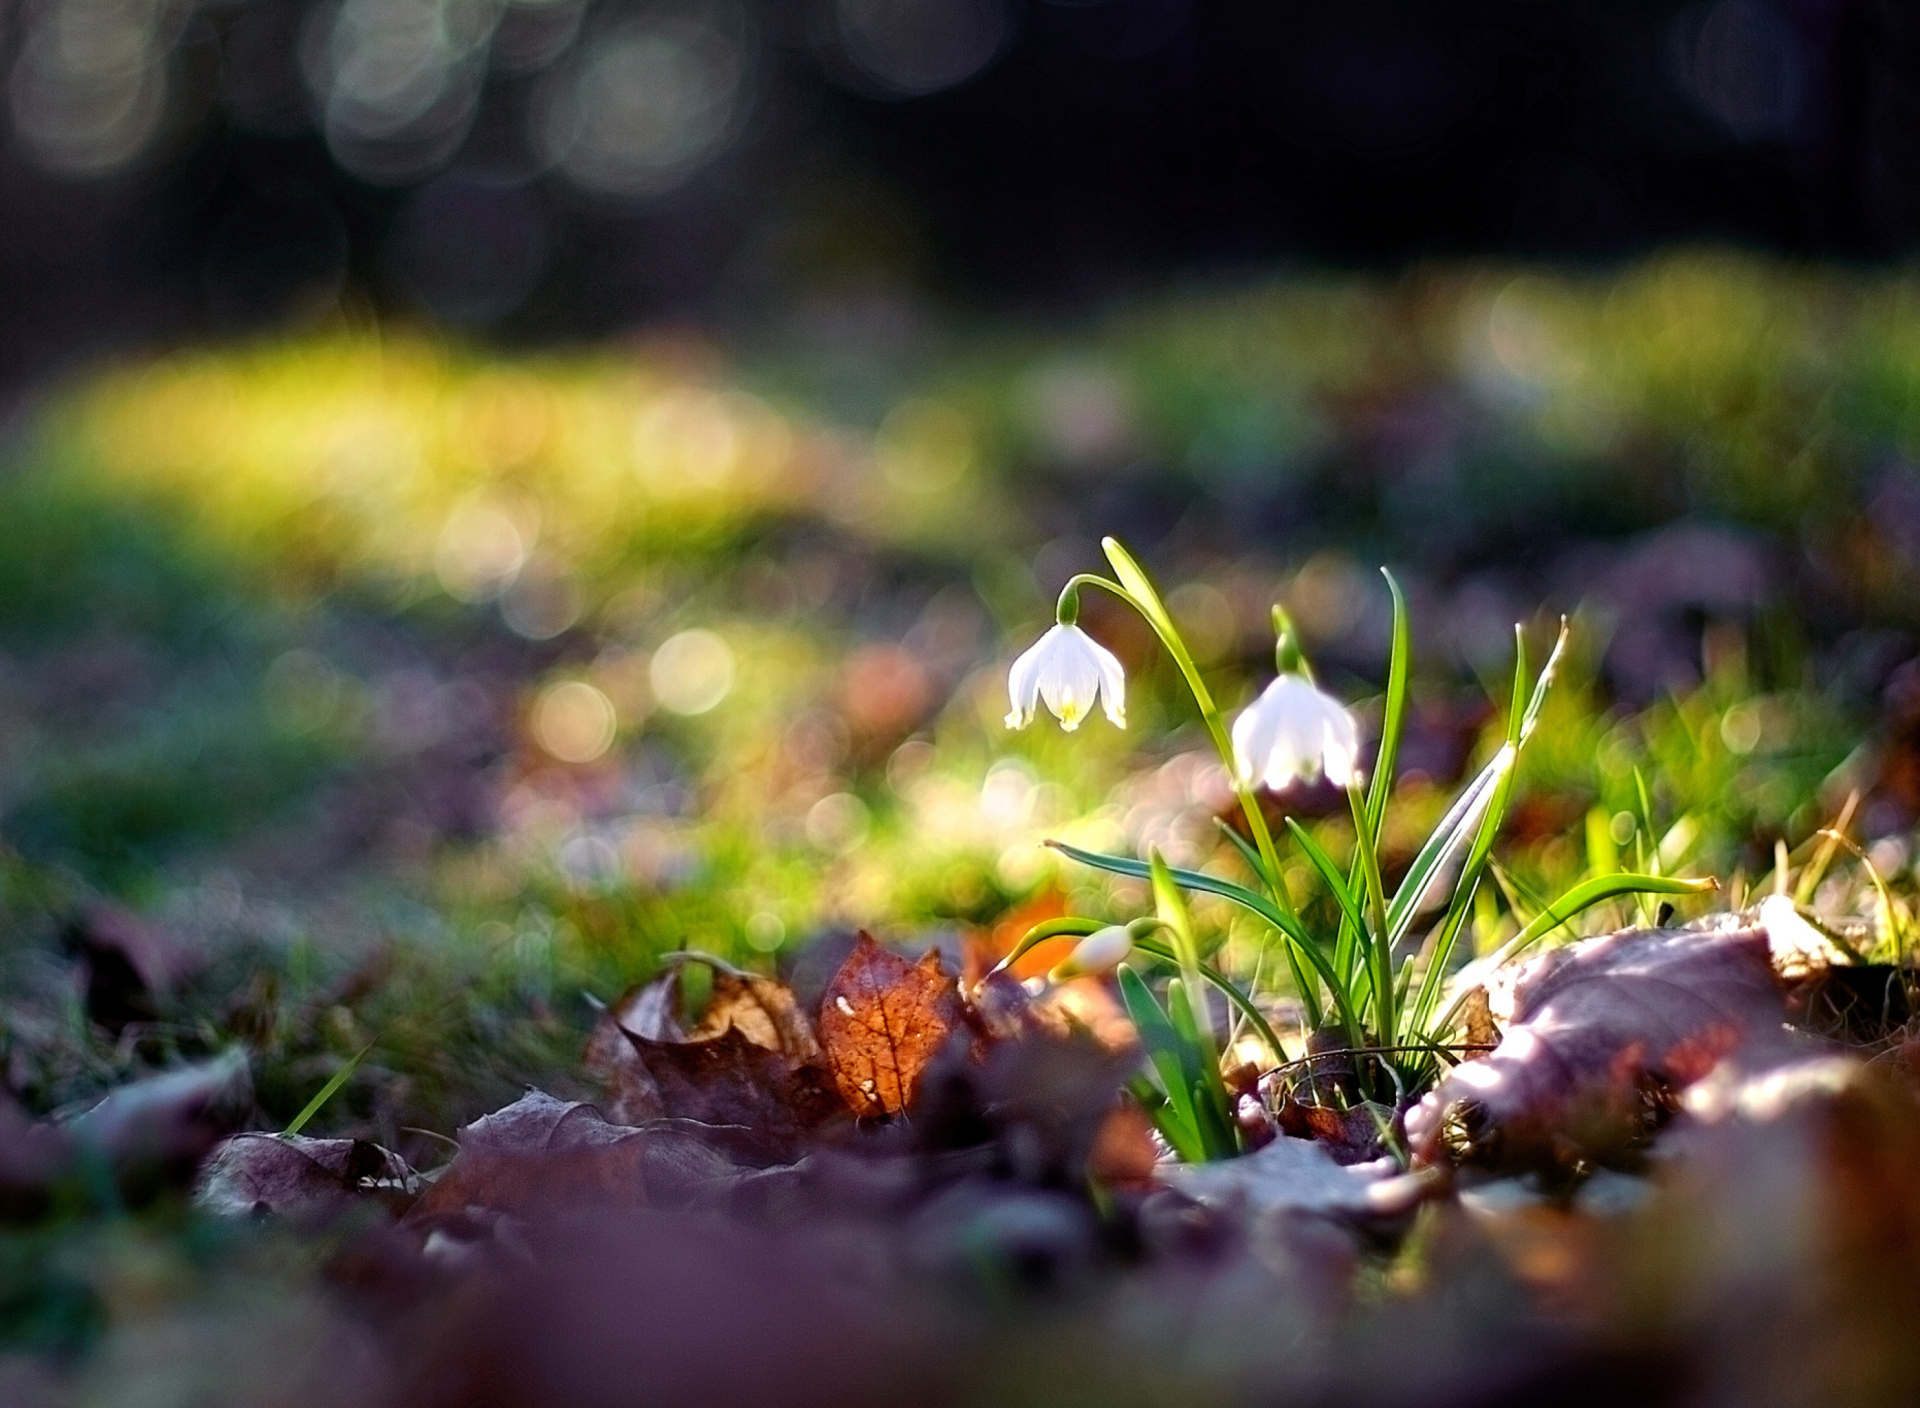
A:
1156, 617
1380, 949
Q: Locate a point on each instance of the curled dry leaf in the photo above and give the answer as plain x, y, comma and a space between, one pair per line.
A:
1604, 1035
763, 1011
882, 1019
290, 1174
751, 1064
728, 1081
614, 1063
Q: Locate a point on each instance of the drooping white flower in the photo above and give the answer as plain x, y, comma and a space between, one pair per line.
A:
1102, 951
1294, 731
1067, 668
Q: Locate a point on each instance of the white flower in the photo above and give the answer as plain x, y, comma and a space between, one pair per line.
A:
1067, 668
1294, 731
1102, 951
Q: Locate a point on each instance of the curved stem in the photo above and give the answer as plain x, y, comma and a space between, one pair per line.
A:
1216, 730
1162, 626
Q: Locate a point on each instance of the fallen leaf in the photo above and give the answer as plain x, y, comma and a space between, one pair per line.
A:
1123, 1153
1482, 1033
881, 1020
751, 1064
150, 1134
290, 1174
539, 1154
611, 1060
761, 1009
1352, 1136
156, 1130
1604, 1035
1297, 1176
730, 1081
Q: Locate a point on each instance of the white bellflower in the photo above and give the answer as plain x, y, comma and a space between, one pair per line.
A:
1067, 669
1294, 731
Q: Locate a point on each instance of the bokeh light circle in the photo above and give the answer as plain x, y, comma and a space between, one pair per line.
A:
912, 47
88, 91
644, 105
691, 672
574, 722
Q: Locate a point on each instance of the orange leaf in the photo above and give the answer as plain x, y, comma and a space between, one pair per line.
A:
881, 1020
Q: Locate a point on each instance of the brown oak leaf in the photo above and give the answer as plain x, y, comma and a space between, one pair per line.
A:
882, 1019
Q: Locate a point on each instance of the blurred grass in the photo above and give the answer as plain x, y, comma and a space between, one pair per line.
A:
285, 626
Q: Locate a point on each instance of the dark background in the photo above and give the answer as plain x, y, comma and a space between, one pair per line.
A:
1034, 156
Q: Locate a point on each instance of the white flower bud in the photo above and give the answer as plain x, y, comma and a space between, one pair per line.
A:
1099, 952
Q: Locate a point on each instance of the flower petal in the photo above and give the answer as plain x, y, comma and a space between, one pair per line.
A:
1295, 732
1023, 680
1113, 683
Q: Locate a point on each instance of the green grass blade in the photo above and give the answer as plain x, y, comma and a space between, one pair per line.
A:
1240, 844
1161, 1043
1520, 723
1453, 832
1187, 879
1309, 990
1297, 937
1139, 586
1394, 721
1241, 1002
1541, 686
1201, 1066
1335, 882
327, 1091
1591, 892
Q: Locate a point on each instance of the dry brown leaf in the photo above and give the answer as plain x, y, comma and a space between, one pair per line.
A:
632, 1095
1604, 1035
1124, 1154
540, 1153
1297, 1176
280, 1173
1352, 1136
750, 1065
1477, 1024
729, 1082
761, 1009
881, 1020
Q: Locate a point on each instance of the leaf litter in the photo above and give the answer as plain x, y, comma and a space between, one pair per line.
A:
915, 1192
